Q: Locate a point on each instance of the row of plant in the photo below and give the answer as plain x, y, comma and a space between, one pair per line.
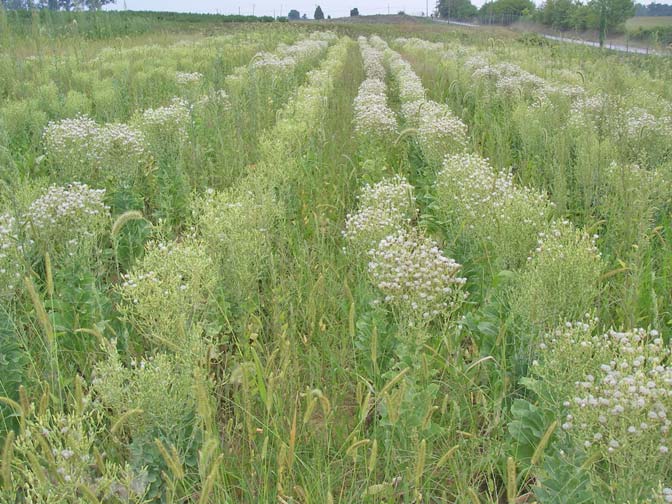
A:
114, 82
625, 116
604, 166
404, 283
558, 270
146, 164
168, 301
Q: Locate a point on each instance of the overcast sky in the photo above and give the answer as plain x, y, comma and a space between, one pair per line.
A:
335, 8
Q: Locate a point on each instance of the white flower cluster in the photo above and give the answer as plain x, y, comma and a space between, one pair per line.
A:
217, 98
304, 49
560, 234
384, 208
378, 43
270, 61
405, 265
288, 56
67, 216
621, 398
174, 119
413, 274
512, 80
611, 116
410, 85
372, 115
184, 78
638, 121
71, 139
373, 60
84, 150
284, 59
666, 494
570, 91
489, 208
439, 131
10, 253
121, 139
592, 107
326, 35
421, 44
476, 62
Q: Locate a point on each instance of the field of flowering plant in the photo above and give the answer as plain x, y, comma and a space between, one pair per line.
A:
334, 262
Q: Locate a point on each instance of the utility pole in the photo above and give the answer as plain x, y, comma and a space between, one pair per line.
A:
239, 10
426, 8
388, 9
252, 9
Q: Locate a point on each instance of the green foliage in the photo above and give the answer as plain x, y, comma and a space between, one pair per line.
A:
507, 8
603, 15
57, 457
531, 434
659, 35
613, 13
457, 9
236, 227
170, 291
560, 280
13, 361
96, 25
564, 476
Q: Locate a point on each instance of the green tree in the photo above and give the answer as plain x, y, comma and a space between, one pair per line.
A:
506, 11
610, 14
560, 14
294, 15
354, 12
460, 9
318, 13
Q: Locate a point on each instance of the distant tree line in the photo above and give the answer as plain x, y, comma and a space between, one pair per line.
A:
66, 5
653, 9
494, 11
605, 16
602, 15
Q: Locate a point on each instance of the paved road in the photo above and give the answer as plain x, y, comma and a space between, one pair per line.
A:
609, 45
